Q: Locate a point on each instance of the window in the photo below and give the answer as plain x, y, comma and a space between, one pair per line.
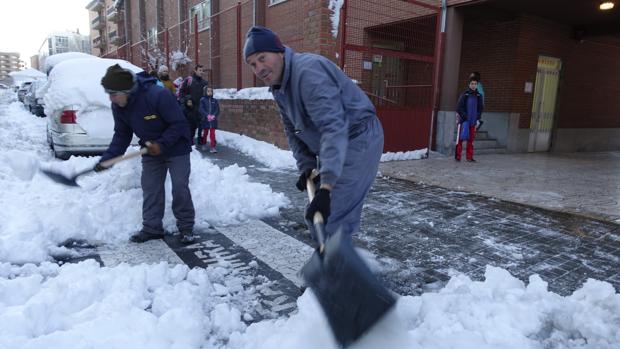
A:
62, 44
203, 11
275, 2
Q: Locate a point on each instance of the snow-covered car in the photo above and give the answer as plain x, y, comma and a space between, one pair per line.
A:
33, 100
53, 60
80, 120
21, 92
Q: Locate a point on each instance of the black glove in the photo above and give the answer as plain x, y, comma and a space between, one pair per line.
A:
320, 203
99, 167
303, 177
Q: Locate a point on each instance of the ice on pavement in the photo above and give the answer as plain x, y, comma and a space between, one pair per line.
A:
84, 305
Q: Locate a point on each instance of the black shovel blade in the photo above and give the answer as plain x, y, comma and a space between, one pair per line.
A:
351, 296
60, 178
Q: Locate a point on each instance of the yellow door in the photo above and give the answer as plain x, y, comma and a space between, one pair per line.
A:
543, 107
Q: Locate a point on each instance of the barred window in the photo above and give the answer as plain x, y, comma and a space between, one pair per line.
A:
203, 11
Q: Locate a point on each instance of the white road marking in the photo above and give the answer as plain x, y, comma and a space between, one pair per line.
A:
281, 252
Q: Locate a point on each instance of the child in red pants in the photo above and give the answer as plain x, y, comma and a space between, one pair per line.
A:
209, 111
469, 109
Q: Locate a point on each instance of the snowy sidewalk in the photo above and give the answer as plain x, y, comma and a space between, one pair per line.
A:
580, 183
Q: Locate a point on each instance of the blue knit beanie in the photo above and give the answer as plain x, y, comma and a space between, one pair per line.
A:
261, 39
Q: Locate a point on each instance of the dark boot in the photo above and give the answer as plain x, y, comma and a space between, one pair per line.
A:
187, 237
143, 236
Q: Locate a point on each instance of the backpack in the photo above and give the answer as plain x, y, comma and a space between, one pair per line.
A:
184, 85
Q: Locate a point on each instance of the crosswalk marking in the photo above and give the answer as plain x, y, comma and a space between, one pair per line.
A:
281, 252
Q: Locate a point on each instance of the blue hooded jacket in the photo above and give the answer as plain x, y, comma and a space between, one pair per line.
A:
321, 109
153, 114
470, 106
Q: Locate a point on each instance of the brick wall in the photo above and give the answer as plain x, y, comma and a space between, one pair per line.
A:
489, 47
259, 119
590, 88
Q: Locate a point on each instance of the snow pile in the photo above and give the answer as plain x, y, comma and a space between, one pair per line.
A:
162, 306
84, 305
267, 153
408, 155
246, 93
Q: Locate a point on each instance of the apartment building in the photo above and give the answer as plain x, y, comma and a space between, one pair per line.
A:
61, 42
548, 67
107, 29
9, 62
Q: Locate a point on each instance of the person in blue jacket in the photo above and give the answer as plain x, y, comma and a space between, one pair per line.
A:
469, 108
326, 116
152, 113
209, 112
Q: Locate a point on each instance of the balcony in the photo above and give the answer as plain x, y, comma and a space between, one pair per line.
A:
99, 43
97, 23
112, 14
95, 5
115, 39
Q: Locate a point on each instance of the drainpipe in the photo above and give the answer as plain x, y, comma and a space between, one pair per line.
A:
439, 42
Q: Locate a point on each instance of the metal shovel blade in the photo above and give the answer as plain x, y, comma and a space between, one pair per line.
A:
352, 298
61, 178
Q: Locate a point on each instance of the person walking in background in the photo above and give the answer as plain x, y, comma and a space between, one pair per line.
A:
209, 112
190, 93
153, 74
469, 109
325, 115
153, 114
164, 77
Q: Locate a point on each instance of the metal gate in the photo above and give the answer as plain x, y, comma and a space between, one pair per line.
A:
389, 48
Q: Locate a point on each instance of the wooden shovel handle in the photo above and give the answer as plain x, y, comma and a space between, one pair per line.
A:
110, 162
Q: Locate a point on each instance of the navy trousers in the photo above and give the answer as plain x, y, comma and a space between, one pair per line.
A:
154, 172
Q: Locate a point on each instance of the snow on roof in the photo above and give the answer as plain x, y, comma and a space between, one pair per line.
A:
77, 82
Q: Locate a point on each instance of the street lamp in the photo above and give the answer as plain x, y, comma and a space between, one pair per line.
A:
606, 5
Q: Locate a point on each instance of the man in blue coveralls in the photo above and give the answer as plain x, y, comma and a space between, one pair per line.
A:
151, 112
325, 116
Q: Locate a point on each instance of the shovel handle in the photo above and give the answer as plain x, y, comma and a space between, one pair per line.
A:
110, 162
317, 220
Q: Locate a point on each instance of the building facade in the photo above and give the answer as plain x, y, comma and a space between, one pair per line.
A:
61, 42
549, 69
9, 62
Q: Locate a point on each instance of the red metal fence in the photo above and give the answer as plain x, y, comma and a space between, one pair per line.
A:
389, 49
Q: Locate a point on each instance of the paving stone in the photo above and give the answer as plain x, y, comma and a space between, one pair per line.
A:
423, 233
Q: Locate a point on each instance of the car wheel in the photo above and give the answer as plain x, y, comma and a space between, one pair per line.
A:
61, 155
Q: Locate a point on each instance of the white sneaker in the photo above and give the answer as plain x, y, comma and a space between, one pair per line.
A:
213, 150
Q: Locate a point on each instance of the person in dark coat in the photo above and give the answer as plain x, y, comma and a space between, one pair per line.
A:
152, 113
209, 112
190, 93
326, 116
469, 108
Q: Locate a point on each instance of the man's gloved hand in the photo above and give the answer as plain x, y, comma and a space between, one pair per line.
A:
98, 167
320, 203
153, 148
303, 177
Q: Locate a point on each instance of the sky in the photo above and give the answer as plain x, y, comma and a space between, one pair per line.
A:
26, 23
167, 305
